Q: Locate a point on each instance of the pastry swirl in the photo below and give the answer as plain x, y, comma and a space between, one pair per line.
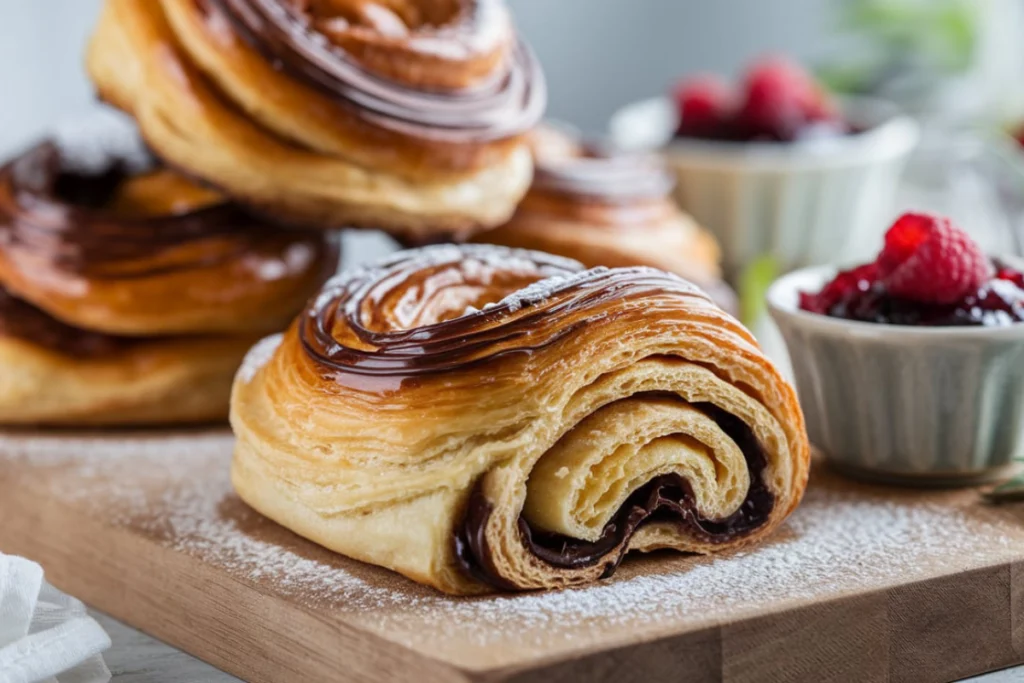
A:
450, 83
606, 208
147, 252
482, 418
407, 116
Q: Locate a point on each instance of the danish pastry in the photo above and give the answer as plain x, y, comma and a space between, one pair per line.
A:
147, 252
130, 295
606, 208
407, 116
481, 418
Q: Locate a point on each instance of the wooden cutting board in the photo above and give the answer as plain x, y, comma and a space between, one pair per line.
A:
864, 583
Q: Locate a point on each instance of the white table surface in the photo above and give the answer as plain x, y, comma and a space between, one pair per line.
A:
137, 658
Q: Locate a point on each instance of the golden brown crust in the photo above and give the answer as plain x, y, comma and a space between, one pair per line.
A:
159, 256
423, 411
606, 210
180, 381
208, 101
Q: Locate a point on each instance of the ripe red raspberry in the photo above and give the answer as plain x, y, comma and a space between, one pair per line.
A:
928, 259
704, 103
780, 97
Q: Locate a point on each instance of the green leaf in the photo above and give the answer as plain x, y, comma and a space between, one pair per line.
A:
754, 282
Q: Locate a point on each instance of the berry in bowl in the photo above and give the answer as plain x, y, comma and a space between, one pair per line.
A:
779, 102
910, 368
776, 165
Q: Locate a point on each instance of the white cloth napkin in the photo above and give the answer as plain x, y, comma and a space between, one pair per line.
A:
45, 636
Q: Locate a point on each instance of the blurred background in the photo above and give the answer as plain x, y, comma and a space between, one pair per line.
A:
601, 54
598, 54
956, 64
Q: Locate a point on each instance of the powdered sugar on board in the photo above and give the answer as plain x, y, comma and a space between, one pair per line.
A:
174, 489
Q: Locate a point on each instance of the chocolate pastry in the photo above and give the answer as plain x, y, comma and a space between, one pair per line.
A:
481, 418
607, 208
406, 116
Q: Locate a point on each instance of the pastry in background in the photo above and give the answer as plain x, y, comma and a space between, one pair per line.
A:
481, 418
129, 294
407, 117
604, 208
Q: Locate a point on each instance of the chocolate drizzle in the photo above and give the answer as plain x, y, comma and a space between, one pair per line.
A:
605, 176
339, 330
50, 208
503, 105
21, 320
667, 498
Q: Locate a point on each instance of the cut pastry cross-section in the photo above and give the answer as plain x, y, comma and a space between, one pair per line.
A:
483, 418
402, 115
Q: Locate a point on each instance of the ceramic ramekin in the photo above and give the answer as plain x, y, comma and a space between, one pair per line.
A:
805, 203
923, 405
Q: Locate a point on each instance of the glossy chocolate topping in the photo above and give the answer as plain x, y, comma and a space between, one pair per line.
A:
667, 498
604, 176
21, 320
71, 217
433, 310
505, 102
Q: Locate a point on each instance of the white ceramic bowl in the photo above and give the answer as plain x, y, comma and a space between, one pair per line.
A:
928, 405
807, 203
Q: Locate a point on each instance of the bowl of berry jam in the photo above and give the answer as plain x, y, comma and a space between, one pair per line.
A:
910, 368
775, 165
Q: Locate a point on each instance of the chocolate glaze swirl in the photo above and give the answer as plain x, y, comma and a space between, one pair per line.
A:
346, 329
507, 103
50, 207
604, 175
400, 318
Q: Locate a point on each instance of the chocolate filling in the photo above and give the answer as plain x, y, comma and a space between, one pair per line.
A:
667, 498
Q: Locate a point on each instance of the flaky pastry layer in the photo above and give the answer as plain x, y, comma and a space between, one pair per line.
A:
480, 418
271, 123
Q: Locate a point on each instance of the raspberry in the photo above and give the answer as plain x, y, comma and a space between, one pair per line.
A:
928, 259
704, 103
780, 98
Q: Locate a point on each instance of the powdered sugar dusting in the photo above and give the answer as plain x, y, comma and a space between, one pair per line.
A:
845, 538
258, 356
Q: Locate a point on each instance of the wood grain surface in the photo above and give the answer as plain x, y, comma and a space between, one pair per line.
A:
864, 583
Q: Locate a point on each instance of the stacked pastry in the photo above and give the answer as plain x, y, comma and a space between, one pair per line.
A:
605, 208
406, 116
481, 418
130, 294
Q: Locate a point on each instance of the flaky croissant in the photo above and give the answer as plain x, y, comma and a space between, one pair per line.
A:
482, 418
407, 116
